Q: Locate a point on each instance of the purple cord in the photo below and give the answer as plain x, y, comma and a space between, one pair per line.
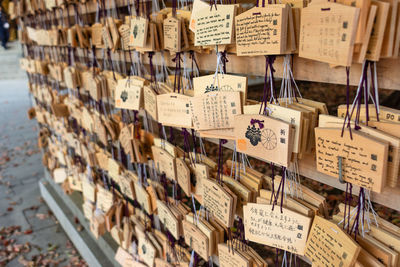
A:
273, 182
220, 159
177, 78
259, 122
347, 103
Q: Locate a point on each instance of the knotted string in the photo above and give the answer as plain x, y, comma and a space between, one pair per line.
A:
177, 79
171, 138
273, 182
174, 4
347, 116
152, 75
281, 189
194, 63
220, 159
186, 145
224, 60
268, 84
213, 3
194, 144
360, 209
259, 122
112, 65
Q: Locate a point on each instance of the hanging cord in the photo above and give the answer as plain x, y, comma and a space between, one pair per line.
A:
289, 89
186, 145
347, 116
177, 79
281, 190
194, 72
220, 160
360, 214
153, 79
268, 85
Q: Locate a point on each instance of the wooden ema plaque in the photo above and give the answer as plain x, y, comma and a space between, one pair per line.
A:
223, 83
327, 32
262, 31
172, 34
150, 101
378, 30
229, 258
138, 35
218, 202
164, 162
394, 144
146, 250
264, 137
172, 106
215, 110
328, 245
196, 239
168, 219
287, 230
364, 158
183, 176
215, 26
128, 95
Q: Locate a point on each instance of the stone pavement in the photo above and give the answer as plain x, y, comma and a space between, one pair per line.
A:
28, 230
9, 62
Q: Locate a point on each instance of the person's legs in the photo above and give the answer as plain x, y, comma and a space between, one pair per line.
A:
5, 39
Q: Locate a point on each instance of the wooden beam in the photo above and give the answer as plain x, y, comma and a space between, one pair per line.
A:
303, 69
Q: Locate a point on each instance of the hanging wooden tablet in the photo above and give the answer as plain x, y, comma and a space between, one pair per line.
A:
393, 150
363, 159
124, 32
359, 56
196, 239
146, 250
172, 34
183, 176
215, 110
378, 30
143, 198
104, 199
96, 34
262, 30
287, 230
171, 106
162, 263
221, 82
125, 137
264, 137
164, 162
228, 257
167, 146
168, 219
328, 245
390, 30
139, 27
128, 95
107, 40
215, 26
150, 101
326, 37
198, 5
89, 190
218, 202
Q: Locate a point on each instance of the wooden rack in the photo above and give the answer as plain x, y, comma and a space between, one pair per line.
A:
303, 69
389, 197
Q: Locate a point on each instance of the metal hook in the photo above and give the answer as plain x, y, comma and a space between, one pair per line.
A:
340, 164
